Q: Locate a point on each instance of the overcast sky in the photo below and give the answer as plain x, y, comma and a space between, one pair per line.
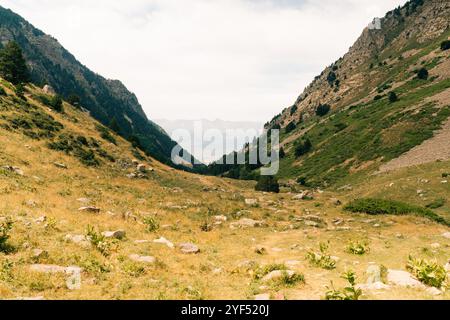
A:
191, 59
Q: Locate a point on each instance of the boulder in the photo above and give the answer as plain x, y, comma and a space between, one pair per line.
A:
48, 89
119, 234
142, 259
403, 279
89, 209
164, 241
189, 248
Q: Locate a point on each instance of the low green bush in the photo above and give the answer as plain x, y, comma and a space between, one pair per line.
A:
381, 206
428, 272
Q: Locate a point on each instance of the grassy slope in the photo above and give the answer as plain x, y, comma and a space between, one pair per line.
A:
375, 131
55, 192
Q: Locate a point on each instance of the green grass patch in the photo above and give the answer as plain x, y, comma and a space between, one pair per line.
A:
381, 207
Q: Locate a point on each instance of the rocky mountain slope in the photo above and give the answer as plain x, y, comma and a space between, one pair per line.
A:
387, 95
106, 99
85, 215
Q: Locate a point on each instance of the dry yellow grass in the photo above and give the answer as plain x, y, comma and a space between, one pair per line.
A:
181, 204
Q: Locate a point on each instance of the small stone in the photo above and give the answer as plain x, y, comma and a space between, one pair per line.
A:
119, 234
251, 202
142, 168
435, 245
220, 218
41, 219
31, 203
304, 195
163, 240
400, 236
89, 209
377, 225
247, 223
142, 259
189, 248
446, 235
260, 250
60, 165
13, 169
39, 254
278, 274
84, 200
262, 297
447, 267
434, 291
335, 201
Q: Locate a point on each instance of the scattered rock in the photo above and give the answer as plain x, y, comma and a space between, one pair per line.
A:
434, 291
39, 254
84, 200
262, 297
260, 250
142, 259
247, 223
278, 274
73, 281
189, 248
60, 165
403, 279
373, 274
119, 234
13, 169
435, 245
304, 195
446, 235
48, 89
41, 219
220, 219
335, 201
251, 202
142, 168
400, 236
89, 209
78, 239
163, 240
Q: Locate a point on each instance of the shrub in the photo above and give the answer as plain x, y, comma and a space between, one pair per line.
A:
290, 127
377, 97
428, 272
56, 103
5, 229
331, 78
393, 97
282, 153
422, 74
380, 206
438, 203
358, 248
445, 45
267, 184
13, 67
2, 92
20, 91
303, 148
106, 134
152, 223
322, 110
348, 293
102, 244
322, 259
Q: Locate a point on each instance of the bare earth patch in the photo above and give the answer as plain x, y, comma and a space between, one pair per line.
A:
436, 148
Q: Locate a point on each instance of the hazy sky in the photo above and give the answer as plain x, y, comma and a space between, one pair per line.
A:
191, 59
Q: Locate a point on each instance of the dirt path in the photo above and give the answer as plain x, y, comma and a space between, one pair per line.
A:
436, 148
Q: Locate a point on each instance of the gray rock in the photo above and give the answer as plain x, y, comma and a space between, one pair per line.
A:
60, 165
89, 209
446, 235
373, 274
13, 169
119, 234
164, 241
403, 279
335, 201
304, 195
48, 89
73, 281
251, 202
247, 223
78, 239
142, 259
434, 291
189, 248
277, 275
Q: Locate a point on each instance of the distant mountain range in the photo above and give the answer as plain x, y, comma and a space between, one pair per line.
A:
197, 145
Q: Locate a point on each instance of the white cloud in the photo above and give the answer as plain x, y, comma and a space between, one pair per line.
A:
190, 59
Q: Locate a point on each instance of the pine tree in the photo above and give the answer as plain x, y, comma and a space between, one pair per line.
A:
13, 67
114, 126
